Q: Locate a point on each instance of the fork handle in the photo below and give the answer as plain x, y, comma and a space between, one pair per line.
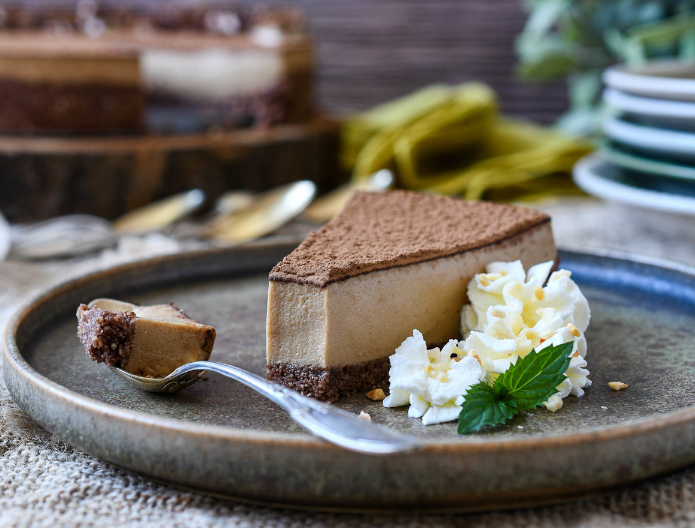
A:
328, 422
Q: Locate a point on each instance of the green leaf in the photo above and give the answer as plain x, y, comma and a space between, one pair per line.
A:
483, 407
535, 377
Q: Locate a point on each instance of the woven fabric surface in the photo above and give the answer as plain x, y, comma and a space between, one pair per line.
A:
44, 482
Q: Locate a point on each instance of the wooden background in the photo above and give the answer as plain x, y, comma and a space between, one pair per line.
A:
371, 51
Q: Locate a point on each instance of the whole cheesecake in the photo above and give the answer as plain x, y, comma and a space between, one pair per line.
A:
388, 263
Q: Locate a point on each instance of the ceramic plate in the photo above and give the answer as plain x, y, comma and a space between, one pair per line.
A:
658, 167
221, 438
659, 79
604, 180
672, 143
678, 115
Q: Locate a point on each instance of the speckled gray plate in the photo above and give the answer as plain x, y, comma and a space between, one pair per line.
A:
221, 438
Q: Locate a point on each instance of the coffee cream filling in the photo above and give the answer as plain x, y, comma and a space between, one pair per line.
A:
163, 338
119, 70
367, 316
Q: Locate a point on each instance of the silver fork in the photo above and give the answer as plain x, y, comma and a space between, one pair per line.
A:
334, 425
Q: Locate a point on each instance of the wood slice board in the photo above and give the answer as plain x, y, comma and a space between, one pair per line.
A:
107, 176
221, 438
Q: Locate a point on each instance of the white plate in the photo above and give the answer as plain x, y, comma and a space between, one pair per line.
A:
656, 140
660, 112
660, 79
603, 180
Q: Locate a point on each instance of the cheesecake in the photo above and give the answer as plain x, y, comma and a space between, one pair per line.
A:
388, 263
150, 341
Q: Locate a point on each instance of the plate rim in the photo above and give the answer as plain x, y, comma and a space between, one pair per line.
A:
650, 138
14, 358
651, 106
638, 163
586, 178
621, 77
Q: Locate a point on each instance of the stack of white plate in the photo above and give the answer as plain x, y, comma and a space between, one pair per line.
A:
648, 156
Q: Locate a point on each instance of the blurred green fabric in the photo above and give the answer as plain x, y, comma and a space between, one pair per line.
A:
451, 140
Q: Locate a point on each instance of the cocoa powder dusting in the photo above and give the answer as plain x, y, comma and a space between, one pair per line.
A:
378, 230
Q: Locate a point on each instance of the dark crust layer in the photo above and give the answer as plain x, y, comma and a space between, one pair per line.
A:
290, 101
106, 336
381, 230
82, 108
330, 383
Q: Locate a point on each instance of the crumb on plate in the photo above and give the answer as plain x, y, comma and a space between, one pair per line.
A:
365, 416
376, 395
617, 385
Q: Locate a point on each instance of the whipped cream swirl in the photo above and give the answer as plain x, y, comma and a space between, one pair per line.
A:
433, 382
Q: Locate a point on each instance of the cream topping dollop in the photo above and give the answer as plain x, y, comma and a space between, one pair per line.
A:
513, 312
433, 382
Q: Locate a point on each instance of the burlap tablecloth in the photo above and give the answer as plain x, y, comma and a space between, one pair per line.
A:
44, 482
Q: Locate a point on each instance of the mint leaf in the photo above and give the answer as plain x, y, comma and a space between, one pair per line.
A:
535, 377
484, 407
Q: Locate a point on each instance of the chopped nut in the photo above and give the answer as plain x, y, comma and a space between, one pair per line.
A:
365, 416
474, 354
617, 385
483, 280
574, 330
376, 395
539, 293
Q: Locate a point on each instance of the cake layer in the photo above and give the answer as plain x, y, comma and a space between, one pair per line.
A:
380, 230
365, 317
107, 71
69, 108
330, 383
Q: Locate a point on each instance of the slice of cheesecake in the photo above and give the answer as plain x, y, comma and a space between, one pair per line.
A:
144, 340
388, 263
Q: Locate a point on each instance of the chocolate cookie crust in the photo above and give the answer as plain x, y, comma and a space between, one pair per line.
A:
370, 234
106, 336
330, 383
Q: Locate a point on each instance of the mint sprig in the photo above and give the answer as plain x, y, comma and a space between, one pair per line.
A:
483, 407
523, 386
